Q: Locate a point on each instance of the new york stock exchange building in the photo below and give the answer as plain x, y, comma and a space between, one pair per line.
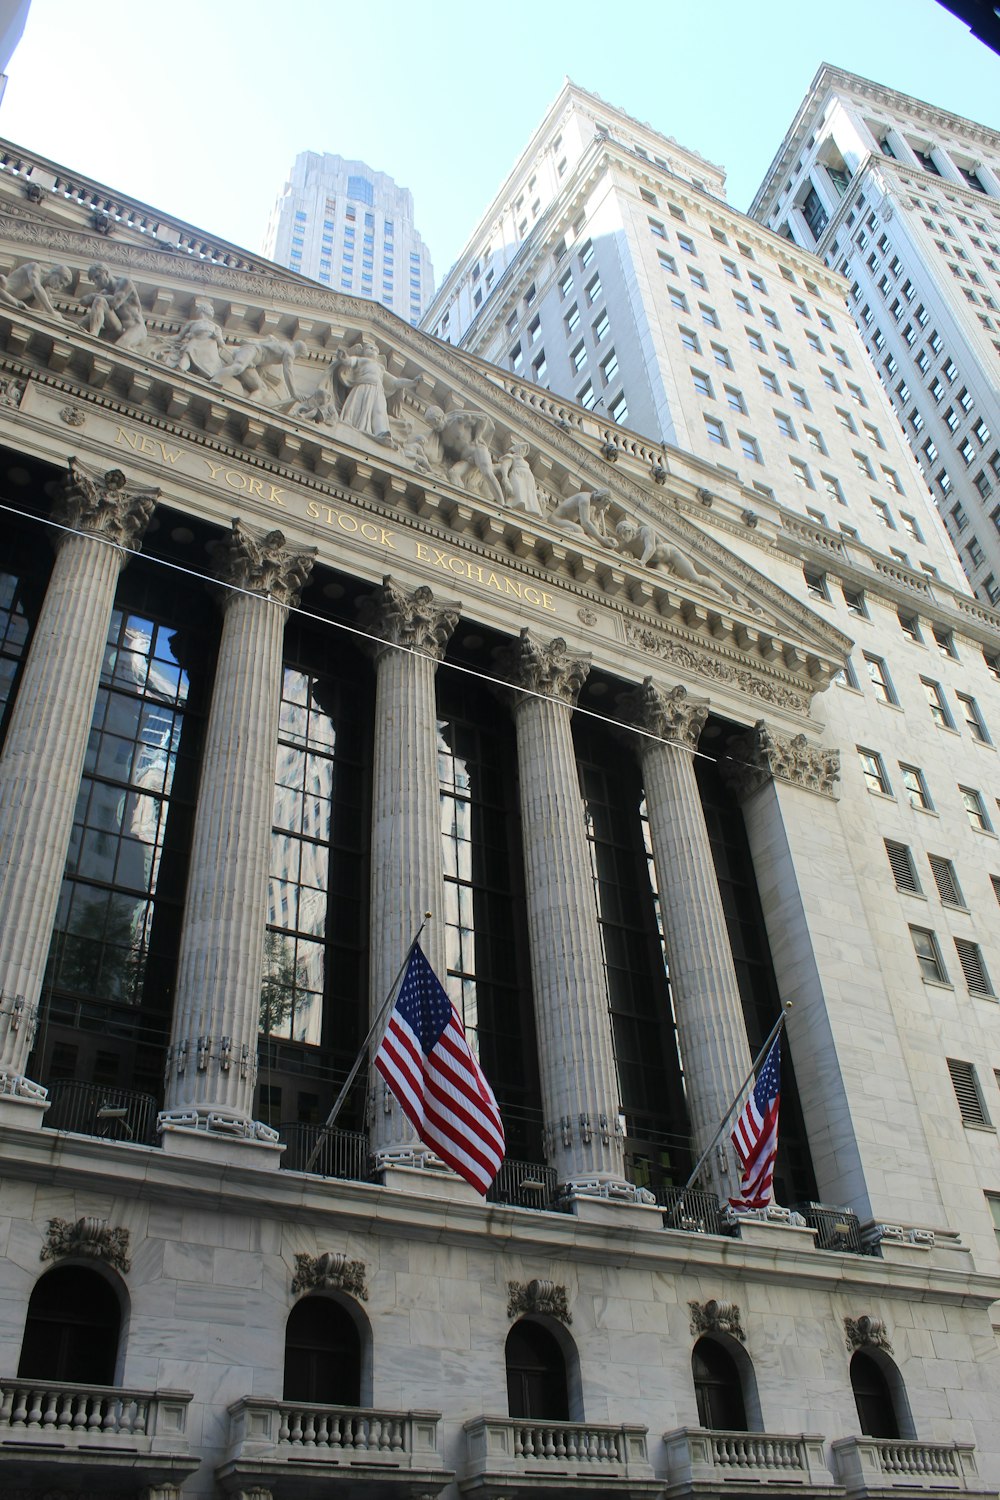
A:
311, 624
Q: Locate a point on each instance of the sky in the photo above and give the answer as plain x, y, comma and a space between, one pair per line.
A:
199, 107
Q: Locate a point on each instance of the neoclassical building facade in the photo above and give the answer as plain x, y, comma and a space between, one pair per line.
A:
313, 625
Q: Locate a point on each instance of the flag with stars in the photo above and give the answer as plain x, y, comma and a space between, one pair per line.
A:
755, 1134
428, 1064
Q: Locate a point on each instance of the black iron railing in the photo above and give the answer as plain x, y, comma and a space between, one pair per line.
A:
342, 1153
524, 1184
109, 1113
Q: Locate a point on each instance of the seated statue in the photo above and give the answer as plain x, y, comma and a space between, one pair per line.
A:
32, 283
585, 511
652, 550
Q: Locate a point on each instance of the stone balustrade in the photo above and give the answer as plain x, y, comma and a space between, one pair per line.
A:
69, 1436
507, 1453
864, 1464
292, 1442
696, 1456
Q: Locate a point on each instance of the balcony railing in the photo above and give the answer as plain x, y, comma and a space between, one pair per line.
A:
86, 1434
342, 1153
868, 1464
524, 1184
696, 1455
695, 1211
504, 1453
292, 1442
92, 1109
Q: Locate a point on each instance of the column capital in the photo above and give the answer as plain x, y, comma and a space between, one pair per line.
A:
261, 562
549, 670
411, 618
760, 755
105, 505
671, 714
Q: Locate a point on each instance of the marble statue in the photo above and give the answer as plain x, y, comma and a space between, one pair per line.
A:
412, 447
650, 549
463, 439
517, 480
32, 283
586, 511
200, 346
114, 307
364, 391
253, 360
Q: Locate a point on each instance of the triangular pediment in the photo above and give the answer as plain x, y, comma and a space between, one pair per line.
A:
263, 368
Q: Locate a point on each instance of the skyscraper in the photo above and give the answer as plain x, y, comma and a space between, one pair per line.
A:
352, 229
904, 200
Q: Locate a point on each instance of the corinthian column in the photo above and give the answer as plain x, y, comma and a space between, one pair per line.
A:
580, 1094
212, 1059
43, 755
407, 879
703, 984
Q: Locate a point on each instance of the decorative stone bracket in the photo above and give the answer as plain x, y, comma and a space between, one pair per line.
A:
717, 1317
538, 1297
328, 1272
91, 1237
866, 1332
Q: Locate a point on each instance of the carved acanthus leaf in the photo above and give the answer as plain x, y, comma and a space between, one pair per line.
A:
94, 1238
413, 618
106, 505
260, 562
331, 1271
549, 670
702, 665
670, 715
717, 1317
760, 755
538, 1297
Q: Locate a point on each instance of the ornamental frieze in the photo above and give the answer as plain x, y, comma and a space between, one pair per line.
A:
866, 1332
676, 654
760, 755
717, 1317
538, 1296
331, 1271
93, 1238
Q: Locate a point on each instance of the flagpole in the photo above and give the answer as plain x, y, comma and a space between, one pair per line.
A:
775, 1029
376, 1025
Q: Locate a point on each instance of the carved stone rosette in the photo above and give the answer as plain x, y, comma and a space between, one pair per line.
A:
549, 670
331, 1271
260, 562
866, 1332
538, 1297
760, 755
413, 618
717, 1317
670, 715
91, 1237
106, 505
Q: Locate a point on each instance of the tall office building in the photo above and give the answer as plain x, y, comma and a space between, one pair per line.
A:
664, 722
352, 229
904, 200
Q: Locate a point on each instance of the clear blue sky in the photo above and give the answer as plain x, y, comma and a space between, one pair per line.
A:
199, 106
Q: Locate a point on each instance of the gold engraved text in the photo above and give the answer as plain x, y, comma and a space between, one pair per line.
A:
501, 583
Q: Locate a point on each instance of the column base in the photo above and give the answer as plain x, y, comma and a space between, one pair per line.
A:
774, 1228
219, 1136
22, 1102
443, 1185
611, 1200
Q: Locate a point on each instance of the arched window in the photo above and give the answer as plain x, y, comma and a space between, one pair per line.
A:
322, 1354
72, 1328
873, 1398
718, 1388
537, 1385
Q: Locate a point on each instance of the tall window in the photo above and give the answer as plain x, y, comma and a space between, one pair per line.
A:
488, 973
873, 1398
72, 1328
537, 1385
718, 1388
322, 1354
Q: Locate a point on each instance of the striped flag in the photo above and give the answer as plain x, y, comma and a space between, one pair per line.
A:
755, 1134
428, 1064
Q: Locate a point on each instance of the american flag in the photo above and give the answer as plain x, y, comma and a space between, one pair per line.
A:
426, 1061
755, 1135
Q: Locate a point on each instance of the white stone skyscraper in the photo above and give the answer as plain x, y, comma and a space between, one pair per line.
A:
351, 229
904, 200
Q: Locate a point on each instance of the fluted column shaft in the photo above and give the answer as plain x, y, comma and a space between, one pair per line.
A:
706, 995
580, 1093
212, 1059
46, 743
407, 869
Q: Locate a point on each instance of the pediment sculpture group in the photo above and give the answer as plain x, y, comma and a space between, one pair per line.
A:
358, 392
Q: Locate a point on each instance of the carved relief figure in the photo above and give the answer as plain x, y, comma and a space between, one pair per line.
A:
200, 346
517, 480
585, 511
653, 550
253, 360
32, 283
365, 391
413, 448
463, 439
114, 306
